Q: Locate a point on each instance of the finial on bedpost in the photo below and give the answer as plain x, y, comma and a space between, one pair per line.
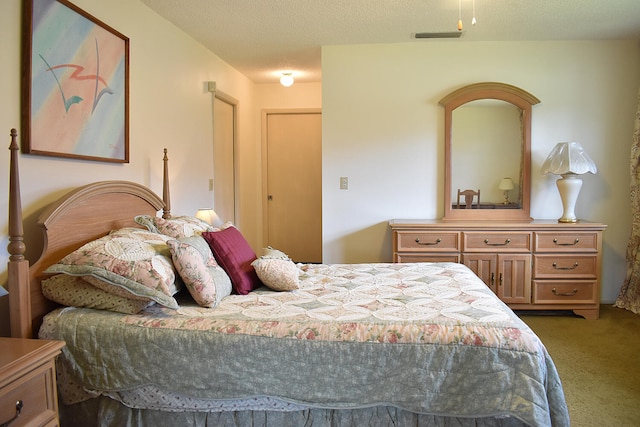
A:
18, 266
166, 197
16, 246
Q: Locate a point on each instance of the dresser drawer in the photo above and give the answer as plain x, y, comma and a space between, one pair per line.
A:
428, 241
565, 292
481, 241
427, 257
553, 266
565, 242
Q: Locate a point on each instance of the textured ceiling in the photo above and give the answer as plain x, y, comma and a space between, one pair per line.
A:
263, 37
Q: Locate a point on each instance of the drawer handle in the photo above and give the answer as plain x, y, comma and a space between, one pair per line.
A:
506, 242
573, 267
19, 406
564, 294
575, 242
428, 243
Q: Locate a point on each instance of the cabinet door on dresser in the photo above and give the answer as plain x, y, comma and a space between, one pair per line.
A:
507, 275
514, 278
485, 266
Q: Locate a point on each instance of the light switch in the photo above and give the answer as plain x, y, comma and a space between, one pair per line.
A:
344, 183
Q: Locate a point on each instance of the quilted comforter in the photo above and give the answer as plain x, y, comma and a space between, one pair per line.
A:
429, 338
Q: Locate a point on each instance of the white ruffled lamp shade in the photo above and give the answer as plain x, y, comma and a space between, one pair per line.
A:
569, 160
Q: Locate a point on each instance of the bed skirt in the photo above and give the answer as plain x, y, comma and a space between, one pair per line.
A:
106, 412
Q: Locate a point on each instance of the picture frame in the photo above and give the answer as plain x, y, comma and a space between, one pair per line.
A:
75, 84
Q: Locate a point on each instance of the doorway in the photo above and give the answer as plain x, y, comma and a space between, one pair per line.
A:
224, 158
292, 183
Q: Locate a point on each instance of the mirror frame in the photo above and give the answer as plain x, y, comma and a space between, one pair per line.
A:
503, 92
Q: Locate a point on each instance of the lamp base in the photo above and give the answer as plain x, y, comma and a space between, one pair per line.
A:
506, 198
569, 187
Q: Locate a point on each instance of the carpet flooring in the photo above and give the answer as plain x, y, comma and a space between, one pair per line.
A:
598, 362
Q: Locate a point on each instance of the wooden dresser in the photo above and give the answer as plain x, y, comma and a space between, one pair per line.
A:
28, 395
536, 265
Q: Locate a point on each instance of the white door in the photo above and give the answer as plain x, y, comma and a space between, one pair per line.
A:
294, 184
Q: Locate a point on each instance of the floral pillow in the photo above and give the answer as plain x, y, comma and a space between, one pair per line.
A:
276, 270
176, 227
206, 281
130, 259
74, 291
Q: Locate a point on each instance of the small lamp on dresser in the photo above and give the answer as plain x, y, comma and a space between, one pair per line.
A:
569, 160
506, 185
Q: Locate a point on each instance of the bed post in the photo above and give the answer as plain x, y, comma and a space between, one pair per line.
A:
166, 197
18, 266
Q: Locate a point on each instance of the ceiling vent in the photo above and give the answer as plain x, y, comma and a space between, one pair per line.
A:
443, 35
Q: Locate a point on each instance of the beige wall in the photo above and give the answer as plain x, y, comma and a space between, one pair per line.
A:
383, 128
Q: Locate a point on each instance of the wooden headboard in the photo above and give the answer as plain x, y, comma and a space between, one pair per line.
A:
82, 215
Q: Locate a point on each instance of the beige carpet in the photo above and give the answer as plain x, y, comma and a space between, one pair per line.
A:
598, 362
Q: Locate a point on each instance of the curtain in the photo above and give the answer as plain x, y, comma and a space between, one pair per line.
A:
629, 297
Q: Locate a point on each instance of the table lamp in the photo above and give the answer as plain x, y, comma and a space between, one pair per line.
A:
569, 160
209, 216
506, 185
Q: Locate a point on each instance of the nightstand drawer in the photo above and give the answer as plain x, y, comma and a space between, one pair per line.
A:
428, 241
565, 292
565, 242
482, 241
553, 266
28, 374
35, 391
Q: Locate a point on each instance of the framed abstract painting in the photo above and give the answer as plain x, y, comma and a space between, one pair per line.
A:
75, 84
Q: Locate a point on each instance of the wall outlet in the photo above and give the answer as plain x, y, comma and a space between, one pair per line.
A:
344, 183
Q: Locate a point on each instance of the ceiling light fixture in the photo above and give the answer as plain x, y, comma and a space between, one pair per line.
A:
287, 79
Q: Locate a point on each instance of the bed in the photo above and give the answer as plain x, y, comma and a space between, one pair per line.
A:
349, 344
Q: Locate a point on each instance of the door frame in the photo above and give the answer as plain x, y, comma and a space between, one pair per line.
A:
264, 145
234, 103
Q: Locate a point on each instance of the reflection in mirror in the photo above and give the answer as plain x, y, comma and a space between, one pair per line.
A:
486, 147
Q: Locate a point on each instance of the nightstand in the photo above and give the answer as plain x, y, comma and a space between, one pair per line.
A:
28, 382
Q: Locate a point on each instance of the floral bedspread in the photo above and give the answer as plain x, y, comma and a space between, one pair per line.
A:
428, 337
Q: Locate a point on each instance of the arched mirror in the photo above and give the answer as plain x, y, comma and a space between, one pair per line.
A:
487, 152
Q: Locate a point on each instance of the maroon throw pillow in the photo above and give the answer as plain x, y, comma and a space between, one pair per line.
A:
235, 256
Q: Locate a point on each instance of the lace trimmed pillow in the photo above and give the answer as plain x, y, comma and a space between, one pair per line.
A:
132, 260
276, 270
176, 227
